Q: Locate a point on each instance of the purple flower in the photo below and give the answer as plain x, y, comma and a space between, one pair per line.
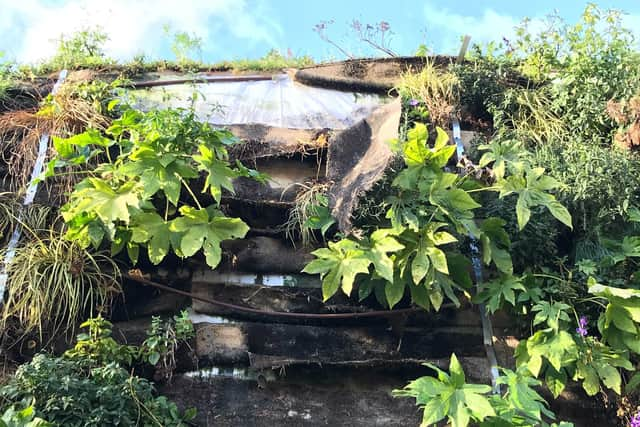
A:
582, 330
414, 102
384, 26
635, 421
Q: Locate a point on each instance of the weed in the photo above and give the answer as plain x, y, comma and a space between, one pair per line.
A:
310, 211
82, 49
530, 115
163, 339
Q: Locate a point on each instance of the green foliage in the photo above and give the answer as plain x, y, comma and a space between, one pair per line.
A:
273, 60
82, 49
437, 89
13, 417
136, 199
599, 183
90, 385
70, 392
451, 397
99, 347
7, 77
162, 342
430, 212
53, 283
187, 48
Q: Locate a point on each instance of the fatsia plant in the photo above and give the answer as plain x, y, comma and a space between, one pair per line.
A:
141, 195
430, 218
450, 396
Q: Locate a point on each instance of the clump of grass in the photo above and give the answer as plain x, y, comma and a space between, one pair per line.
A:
272, 61
13, 214
437, 89
308, 200
53, 283
530, 115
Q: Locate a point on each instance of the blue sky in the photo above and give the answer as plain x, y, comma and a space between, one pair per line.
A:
249, 28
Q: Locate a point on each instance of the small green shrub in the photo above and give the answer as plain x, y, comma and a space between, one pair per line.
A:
82, 49
77, 393
163, 338
97, 345
146, 199
451, 397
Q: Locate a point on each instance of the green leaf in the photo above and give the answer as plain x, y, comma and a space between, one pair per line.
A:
610, 376
556, 381
219, 174
154, 358
394, 291
151, 229
621, 318
110, 205
204, 230
438, 259
496, 292
456, 371
633, 383
382, 243
338, 265
591, 382
420, 266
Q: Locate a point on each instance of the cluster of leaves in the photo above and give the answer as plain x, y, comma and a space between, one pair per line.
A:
158, 349
90, 386
7, 76
430, 212
15, 416
81, 49
163, 339
134, 197
450, 396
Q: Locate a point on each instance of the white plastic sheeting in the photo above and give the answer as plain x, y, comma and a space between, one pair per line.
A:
278, 102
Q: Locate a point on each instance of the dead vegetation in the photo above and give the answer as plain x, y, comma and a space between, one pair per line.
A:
626, 114
77, 106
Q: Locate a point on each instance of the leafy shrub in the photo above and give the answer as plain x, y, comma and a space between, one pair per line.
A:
449, 396
82, 49
98, 347
163, 338
139, 197
587, 64
77, 393
430, 211
600, 183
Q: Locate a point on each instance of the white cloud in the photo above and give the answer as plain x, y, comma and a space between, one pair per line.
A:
448, 27
133, 26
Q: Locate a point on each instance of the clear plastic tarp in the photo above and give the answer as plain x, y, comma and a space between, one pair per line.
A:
278, 102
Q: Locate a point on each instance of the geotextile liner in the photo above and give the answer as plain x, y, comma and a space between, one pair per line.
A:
358, 157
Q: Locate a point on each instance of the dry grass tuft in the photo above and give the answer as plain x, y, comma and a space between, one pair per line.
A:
437, 89
67, 113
